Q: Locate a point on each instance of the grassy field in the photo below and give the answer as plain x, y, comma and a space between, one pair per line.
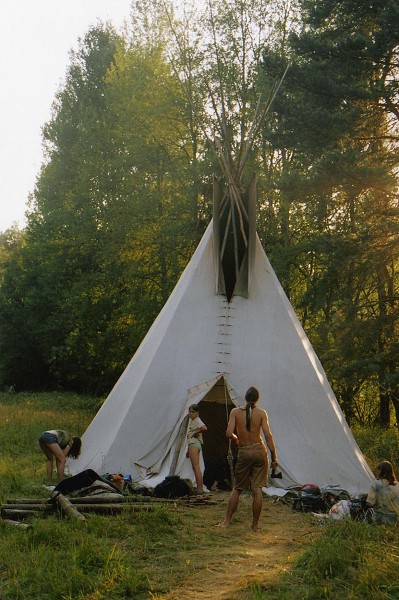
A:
175, 552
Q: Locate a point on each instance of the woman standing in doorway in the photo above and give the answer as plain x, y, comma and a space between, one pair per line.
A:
195, 440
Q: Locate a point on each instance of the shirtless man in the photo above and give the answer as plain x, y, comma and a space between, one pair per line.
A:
252, 462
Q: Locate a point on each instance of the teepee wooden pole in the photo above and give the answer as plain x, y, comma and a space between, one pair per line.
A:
236, 259
233, 190
226, 232
259, 119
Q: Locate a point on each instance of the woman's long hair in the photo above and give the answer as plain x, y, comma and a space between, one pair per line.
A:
76, 447
385, 471
251, 398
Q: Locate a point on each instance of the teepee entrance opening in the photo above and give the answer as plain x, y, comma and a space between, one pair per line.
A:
215, 410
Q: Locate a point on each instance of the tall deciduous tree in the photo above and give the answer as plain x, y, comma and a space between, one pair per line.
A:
60, 264
337, 120
110, 229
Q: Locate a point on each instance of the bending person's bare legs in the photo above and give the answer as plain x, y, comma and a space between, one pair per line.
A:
49, 464
232, 505
54, 451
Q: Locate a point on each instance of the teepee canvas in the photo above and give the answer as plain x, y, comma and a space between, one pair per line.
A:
217, 335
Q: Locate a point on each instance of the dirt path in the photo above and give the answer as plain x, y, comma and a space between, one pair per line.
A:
240, 557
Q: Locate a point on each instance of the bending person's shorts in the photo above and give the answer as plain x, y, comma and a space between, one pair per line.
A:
251, 467
48, 438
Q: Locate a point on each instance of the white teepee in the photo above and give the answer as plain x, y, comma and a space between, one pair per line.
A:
205, 349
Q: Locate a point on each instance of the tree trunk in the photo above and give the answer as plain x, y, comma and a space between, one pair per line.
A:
384, 416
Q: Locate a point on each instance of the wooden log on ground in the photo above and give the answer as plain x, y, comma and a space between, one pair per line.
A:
43, 501
123, 500
68, 508
82, 500
24, 508
98, 499
40, 507
49, 508
120, 500
17, 515
17, 524
112, 508
26, 511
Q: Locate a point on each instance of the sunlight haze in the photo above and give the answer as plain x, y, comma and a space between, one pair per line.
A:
35, 40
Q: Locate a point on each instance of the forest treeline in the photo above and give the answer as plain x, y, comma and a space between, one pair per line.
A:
125, 190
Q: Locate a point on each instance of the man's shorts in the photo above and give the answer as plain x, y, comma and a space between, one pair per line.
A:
251, 467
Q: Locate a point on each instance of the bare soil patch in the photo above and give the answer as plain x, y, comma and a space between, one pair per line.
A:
238, 557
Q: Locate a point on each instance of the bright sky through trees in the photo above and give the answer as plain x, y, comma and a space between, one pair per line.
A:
35, 39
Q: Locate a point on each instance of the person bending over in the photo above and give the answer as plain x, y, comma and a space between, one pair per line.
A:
251, 470
59, 445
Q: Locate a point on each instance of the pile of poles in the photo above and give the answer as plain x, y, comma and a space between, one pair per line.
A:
20, 509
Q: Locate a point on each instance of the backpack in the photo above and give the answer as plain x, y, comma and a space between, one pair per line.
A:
310, 499
358, 508
172, 487
334, 493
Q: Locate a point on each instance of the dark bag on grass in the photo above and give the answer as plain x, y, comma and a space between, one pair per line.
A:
310, 499
172, 487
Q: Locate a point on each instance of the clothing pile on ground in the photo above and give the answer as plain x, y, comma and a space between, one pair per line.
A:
380, 505
89, 483
328, 502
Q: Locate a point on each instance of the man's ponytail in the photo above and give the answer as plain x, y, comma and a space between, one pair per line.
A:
251, 397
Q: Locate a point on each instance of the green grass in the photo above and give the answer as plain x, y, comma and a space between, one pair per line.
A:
106, 558
379, 444
351, 561
23, 417
131, 555
145, 555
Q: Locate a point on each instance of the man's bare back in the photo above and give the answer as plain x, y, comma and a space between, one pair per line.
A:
259, 423
251, 466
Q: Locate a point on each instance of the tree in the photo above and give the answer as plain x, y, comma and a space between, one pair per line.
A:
110, 230
334, 121
63, 243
